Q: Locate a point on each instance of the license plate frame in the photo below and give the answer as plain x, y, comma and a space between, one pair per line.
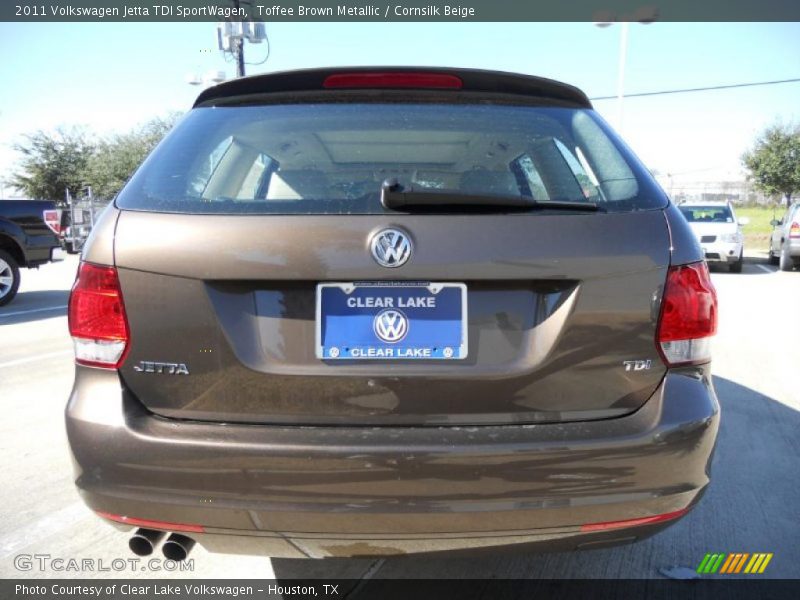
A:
414, 343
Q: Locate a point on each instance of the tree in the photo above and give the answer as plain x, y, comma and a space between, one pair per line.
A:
116, 158
774, 161
52, 163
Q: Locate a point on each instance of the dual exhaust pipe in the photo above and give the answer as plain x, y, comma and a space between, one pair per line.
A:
177, 547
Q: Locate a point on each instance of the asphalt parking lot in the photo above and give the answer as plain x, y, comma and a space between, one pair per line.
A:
752, 505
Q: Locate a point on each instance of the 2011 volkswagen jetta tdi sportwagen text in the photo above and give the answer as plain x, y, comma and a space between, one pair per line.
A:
380, 311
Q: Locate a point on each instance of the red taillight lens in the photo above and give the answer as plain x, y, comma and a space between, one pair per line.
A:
689, 304
688, 315
52, 218
97, 321
393, 80
794, 230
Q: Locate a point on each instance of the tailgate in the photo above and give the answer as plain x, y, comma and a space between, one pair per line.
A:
560, 316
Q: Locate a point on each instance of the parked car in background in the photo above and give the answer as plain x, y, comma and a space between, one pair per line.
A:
432, 310
26, 241
784, 243
718, 231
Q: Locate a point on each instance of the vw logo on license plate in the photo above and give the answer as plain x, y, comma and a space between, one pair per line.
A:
390, 325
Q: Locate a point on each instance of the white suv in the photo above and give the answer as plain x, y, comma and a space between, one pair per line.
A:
718, 230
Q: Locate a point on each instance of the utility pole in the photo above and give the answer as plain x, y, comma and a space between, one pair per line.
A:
231, 36
238, 49
238, 52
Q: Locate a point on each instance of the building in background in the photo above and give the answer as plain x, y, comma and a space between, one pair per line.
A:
713, 185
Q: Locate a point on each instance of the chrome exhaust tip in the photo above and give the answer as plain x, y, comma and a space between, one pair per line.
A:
144, 541
177, 547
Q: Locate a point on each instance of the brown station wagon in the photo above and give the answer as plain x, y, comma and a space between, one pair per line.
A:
351, 312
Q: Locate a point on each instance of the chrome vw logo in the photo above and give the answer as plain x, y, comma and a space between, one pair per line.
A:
390, 325
391, 247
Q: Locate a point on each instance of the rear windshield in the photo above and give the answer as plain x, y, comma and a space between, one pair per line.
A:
707, 214
332, 158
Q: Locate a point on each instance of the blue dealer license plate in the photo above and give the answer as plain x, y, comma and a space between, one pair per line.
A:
391, 321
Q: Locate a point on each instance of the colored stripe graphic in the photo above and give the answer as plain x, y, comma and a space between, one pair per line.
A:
717, 564
741, 563
714, 562
736, 559
755, 559
734, 562
728, 562
765, 563
703, 563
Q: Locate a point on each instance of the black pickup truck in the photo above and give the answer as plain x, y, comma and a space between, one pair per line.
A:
26, 240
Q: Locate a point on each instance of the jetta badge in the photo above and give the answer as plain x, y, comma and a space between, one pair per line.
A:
390, 248
146, 366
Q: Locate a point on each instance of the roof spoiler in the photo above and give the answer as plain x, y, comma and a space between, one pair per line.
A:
472, 80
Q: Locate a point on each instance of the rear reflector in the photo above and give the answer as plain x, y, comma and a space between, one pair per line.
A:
437, 81
688, 315
97, 321
634, 522
150, 524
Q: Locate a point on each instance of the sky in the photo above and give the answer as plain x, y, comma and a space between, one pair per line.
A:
109, 77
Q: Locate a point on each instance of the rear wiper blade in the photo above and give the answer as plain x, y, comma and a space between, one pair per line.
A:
394, 197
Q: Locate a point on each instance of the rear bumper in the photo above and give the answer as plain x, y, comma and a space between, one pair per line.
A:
342, 491
39, 249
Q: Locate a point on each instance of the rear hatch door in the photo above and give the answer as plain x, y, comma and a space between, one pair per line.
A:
229, 229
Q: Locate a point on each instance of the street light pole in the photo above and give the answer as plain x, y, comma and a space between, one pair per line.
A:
645, 18
623, 55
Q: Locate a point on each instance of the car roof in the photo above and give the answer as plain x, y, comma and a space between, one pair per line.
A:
709, 203
473, 80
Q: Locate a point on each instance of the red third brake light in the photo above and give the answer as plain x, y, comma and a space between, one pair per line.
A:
393, 80
688, 315
97, 321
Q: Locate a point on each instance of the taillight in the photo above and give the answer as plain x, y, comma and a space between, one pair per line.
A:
393, 80
688, 315
52, 218
97, 321
794, 230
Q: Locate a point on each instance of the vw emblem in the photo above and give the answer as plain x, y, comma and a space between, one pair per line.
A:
391, 247
390, 325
